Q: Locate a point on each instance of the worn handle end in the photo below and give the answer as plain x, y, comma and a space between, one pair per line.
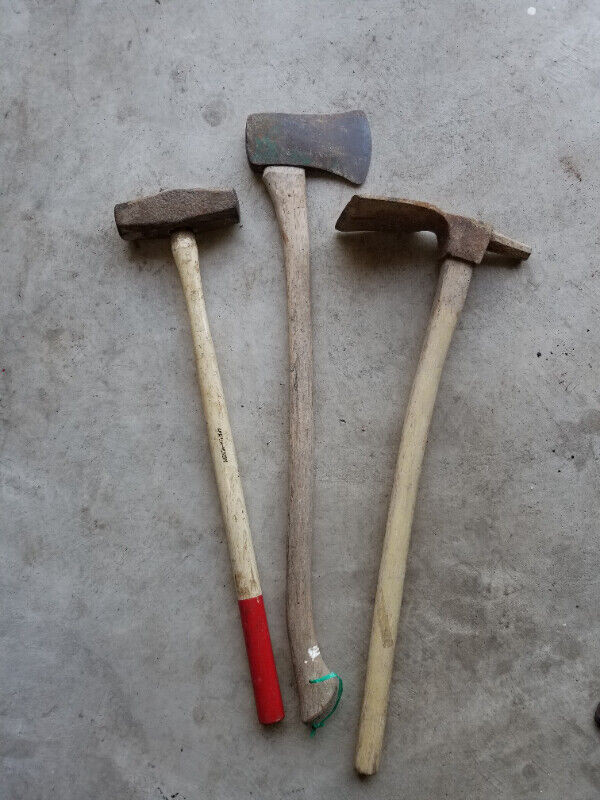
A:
263, 672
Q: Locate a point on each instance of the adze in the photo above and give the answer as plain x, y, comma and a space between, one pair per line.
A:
463, 242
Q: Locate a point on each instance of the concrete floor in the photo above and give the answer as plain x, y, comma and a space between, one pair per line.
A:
122, 666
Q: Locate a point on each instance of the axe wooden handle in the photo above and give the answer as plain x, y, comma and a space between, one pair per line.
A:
233, 507
451, 293
287, 188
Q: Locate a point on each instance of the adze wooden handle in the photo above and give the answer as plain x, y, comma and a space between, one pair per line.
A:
453, 285
287, 188
233, 507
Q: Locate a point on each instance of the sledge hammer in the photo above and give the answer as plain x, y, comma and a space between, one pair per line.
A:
286, 144
463, 242
178, 215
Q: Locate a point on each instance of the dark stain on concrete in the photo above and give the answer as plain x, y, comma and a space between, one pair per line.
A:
16, 747
570, 167
591, 773
590, 422
214, 112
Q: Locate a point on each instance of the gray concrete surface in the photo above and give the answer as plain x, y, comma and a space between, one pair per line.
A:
123, 673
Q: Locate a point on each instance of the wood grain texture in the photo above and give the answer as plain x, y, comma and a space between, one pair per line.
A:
287, 188
233, 506
452, 290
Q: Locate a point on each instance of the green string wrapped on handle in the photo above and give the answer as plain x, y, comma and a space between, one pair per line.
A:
314, 725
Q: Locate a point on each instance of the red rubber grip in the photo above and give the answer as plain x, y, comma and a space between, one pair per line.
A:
263, 672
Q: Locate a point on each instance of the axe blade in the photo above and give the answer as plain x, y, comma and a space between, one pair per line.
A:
338, 143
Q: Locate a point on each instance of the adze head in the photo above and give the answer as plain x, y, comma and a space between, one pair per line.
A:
338, 143
459, 237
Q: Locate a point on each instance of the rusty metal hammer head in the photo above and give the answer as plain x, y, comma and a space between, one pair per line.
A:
179, 209
338, 143
458, 237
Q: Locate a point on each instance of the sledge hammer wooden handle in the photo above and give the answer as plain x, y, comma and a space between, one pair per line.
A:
463, 243
285, 144
179, 215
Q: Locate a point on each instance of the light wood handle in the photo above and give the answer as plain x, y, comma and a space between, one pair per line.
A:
448, 303
287, 188
233, 507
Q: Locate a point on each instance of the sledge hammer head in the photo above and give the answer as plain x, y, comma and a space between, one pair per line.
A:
459, 237
162, 214
338, 143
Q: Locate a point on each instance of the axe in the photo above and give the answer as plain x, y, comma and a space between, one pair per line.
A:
286, 144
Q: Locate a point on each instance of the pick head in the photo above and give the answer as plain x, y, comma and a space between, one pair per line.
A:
338, 143
459, 237
162, 214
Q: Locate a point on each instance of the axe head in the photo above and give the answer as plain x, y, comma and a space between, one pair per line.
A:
338, 143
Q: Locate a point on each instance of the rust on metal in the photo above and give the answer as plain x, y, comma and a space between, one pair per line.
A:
178, 209
338, 143
459, 237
